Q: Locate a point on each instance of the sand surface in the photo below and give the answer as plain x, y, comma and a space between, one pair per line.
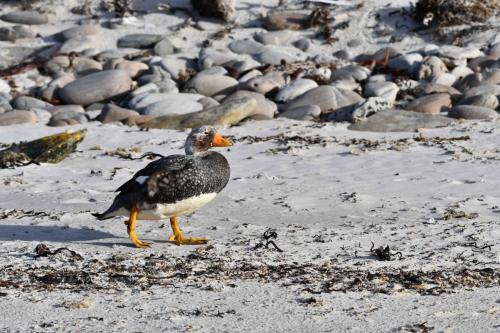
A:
328, 192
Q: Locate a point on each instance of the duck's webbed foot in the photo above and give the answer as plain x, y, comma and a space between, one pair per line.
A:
179, 239
131, 230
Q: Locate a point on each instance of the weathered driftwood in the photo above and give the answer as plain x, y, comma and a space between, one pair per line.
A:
49, 149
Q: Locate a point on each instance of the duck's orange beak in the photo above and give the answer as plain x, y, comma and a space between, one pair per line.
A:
220, 141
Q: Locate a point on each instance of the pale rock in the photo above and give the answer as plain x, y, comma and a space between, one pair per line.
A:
431, 104
211, 85
265, 108
294, 89
431, 67
17, 117
266, 83
306, 112
386, 90
112, 113
326, 97
472, 112
96, 87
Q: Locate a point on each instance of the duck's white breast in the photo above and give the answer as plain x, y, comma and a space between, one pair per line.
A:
181, 207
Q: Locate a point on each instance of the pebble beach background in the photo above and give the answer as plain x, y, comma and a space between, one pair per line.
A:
367, 146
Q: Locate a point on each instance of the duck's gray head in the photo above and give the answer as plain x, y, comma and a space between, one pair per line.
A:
203, 138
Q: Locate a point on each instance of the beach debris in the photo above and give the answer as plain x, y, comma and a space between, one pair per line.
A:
267, 237
443, 13
221, 9
43, 250
76, 305
479, 248
48, 149
453, 212
384, 253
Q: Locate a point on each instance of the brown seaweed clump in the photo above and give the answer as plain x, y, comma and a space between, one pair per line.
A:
221, 9
49, 149
445, 13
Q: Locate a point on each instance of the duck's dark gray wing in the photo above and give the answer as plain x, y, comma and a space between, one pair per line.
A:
139, 180
136, 190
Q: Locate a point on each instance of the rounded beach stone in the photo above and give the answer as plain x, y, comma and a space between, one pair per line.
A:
266, 83
494, 50
112, 113
133, 68
275, 57
491, 77
472, 112
326, 97
351, 72
306, 112
387, 90
434, 88
304, 44
211, 85
78, 32
485, 100
17, 117
246, 46
28, 103
96, 87
445, 79
139, 41
468, 82
176, 104
408, 63
282, 37
431, 104
4, 87
29, 17
483, 89
164, 47
265, 108
431, 67
16, 32
77, 44
294, 89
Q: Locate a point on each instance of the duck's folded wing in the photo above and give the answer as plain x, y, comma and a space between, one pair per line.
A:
140, 181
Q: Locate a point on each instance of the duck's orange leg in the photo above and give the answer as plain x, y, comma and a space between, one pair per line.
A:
131, 229
177, 237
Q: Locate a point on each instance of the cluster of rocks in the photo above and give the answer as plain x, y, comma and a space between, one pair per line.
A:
145, 80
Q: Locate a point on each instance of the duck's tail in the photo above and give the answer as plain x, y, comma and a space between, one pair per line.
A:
102, 216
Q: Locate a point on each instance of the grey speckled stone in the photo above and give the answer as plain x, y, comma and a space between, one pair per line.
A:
472, 112
96, 87
25, 17
274, 57
16, 32
306, 112
139, 41
79, 32
246, 46
486, 100
400, 121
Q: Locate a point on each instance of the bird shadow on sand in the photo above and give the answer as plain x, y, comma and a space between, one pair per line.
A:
49, 233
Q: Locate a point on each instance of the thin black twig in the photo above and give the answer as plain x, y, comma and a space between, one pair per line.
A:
43, 250
268, 235
384, 253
